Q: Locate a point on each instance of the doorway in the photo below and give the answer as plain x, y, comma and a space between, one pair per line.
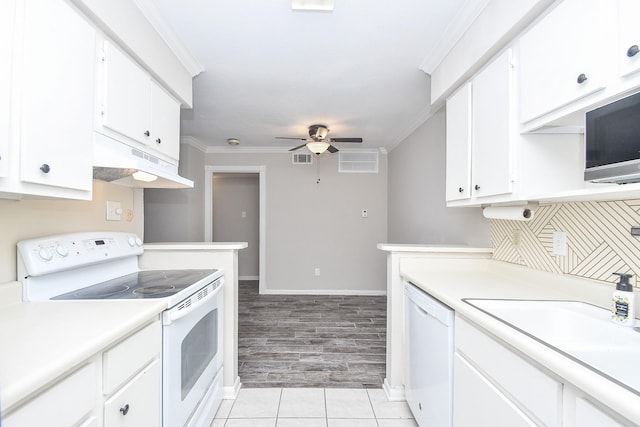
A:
235, 211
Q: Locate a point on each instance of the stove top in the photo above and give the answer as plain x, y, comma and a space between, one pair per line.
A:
140, 285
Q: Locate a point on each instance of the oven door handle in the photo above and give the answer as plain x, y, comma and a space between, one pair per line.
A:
181, 310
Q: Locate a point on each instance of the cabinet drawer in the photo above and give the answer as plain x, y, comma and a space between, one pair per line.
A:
480, 401
137, 404
125, 359
64, 404
538, 393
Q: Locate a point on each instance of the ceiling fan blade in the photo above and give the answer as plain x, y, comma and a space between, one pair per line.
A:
286, 137
298, 147
346, 139
332, 149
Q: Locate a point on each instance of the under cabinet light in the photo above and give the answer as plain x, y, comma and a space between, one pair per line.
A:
144, 176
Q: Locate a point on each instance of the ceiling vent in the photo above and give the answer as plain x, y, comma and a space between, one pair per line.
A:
361, 161
301, 159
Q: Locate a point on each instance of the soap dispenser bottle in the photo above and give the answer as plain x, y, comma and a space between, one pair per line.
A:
623, 306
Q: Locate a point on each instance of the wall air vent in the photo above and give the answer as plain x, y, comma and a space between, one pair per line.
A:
301, 159
360, 161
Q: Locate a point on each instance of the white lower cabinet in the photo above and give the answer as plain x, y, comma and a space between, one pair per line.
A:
494, 386
477, 402
532, 391
67, 403
137, 403
130, 373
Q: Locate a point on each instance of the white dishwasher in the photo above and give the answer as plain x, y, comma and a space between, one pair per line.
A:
429, 348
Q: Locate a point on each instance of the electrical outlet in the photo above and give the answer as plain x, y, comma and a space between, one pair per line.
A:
365, 214
560, 243
516, 237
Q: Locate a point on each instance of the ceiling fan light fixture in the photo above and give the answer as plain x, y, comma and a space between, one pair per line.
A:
318, 147
318, 5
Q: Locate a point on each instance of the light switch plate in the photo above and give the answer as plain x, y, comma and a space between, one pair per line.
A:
114, 211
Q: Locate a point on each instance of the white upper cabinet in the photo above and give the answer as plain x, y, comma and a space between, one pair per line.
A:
126, 95
562, 57
458, 172
629, 37
135, 106
492, 123
56, 96
165, 122
7, 12
479, 135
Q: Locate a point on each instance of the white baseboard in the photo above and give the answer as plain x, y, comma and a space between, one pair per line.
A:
394, 394
231, 392
248, 277
345, 292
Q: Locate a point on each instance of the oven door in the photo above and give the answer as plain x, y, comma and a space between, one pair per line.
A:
191, 354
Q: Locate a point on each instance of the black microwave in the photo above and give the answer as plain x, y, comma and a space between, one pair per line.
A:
612, 139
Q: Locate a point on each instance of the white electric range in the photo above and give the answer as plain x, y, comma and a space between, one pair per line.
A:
104, 266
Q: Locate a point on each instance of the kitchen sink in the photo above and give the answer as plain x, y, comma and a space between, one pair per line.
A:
581, 331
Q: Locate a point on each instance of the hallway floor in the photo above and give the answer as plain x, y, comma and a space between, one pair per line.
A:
318, 341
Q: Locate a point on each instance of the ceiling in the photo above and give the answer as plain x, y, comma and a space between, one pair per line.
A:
271, 71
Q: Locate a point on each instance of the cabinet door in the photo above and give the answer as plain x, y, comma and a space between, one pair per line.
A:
459, 144
564, 45
126, 96
165, 122
478, 403
629, 37
491, 128
64, 404
137, 404
57, 96
7, 16
588, 415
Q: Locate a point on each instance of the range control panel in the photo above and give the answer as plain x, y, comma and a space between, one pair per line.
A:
67, 251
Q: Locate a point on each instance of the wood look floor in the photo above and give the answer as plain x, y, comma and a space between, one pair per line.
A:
310, 341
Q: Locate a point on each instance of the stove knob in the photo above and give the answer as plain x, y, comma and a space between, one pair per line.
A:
138, 241
45, 254
62, 251
132, 241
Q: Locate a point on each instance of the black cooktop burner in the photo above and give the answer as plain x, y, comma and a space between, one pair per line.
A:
143, 284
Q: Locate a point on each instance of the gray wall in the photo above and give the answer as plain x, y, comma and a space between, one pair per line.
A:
417, 207
308, 225
177, 215
233, 195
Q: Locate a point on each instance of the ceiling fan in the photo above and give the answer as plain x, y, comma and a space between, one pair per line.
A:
317, 142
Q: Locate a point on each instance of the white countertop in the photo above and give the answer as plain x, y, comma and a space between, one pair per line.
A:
196, 246
452, 280
432, 249
43, 340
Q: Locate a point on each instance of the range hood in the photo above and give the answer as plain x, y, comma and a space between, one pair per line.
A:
118, 163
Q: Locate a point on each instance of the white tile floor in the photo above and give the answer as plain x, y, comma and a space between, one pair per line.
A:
312, 407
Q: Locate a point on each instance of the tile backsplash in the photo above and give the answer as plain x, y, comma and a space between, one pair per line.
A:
599, 240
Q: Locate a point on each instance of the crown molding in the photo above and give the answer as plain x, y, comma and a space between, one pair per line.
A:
467, 14
166, 32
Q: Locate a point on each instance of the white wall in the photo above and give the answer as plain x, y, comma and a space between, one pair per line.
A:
233, 195
27, 219
417, 207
